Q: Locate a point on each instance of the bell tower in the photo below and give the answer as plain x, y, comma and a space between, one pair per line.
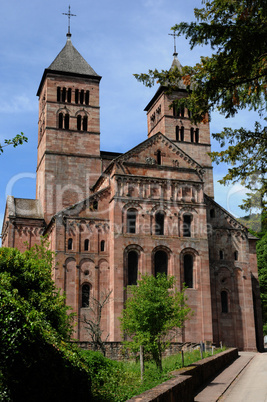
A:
175, 124
68, 160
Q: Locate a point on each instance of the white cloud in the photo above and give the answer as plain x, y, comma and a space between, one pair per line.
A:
18, 104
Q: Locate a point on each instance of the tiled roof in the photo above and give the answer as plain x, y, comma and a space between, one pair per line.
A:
69, 60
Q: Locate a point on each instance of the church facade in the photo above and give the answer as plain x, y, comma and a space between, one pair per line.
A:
111, 217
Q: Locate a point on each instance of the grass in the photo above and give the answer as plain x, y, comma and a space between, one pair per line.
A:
114, 381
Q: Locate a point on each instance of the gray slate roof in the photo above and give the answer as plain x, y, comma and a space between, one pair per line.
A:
69, 60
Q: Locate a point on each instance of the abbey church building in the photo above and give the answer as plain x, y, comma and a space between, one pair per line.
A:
111, 217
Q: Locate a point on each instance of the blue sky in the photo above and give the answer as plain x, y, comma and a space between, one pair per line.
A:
117, 38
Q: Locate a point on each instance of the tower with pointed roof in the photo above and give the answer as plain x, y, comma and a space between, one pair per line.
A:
176, 125
68, 158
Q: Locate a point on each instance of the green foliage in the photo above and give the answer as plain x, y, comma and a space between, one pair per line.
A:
17, 140
154, 308
37, 361
231, 79
114, 381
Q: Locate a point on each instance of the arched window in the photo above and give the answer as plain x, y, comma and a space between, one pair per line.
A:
197, 135
177, 130
85, 122
161, 262
221, 253
87, 97
132, 268
131, 221
188, 270
76, 95
85, 295
79, 122
187, 219
102, 245
236, 255
64, 95
58, 93
60, 120
159, 223
81, 96
86, 245
224, 301
159, 161
67, 121
69, 95
192, 134
182, 134
70, 242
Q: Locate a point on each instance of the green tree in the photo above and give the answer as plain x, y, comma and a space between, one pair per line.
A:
37, 362
231, 79
262, 268
154, 309
17, 140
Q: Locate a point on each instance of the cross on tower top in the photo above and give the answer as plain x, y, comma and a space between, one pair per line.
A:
175, 35
69, 15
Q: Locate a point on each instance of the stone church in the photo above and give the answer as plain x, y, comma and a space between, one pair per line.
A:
111, 217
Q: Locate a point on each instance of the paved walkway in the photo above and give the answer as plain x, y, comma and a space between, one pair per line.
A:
215, 389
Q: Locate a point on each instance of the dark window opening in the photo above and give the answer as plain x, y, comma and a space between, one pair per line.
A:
189, 113
67, 121
81, 96
95, 205
224, 301
236, 255
85, 122
212, 213
188, 270
182, 111
69, 95
76, 95
182, 134
85, 295
60, 120
79, 122
58, 93
177, 133
159, 157
70, 241
102, 245
192, 134
161, 262
197, 135
187, 225
87, 98
159, 220
221, 254
86, 245
132, 268
63, 94
131, 221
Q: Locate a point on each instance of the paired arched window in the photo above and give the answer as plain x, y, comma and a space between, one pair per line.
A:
179, 133
224, 301
64, 121
188, 270
131, 221
82, 123
86, 244
161, 262
132, 268
187, 220
194, 135
85, 295
159, 223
